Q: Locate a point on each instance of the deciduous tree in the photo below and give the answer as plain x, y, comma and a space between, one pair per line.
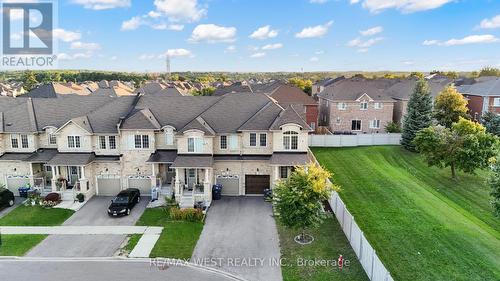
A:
450, 105
494, 182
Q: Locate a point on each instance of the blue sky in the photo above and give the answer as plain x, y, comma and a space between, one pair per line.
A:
313, 35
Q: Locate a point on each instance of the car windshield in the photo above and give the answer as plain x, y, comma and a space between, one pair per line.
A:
120, 200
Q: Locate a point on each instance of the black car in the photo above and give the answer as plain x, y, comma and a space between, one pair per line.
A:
6, 198
124, 202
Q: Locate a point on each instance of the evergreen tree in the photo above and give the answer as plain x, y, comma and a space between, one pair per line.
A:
419, 114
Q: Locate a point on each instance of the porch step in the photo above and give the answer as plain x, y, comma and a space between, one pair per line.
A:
186, 202
67, 196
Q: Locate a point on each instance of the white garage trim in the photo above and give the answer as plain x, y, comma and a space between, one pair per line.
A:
106, 179
13, 183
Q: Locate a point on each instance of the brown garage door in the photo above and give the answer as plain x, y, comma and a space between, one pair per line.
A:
256, 184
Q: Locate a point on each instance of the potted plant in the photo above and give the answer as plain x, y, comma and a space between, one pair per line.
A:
80, 197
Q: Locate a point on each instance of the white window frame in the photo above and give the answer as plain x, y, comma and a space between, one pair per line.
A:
263, 135
283, 172
197, 145
112, 147
254, 140
496, 102
363, 105
342, 106
290, 140
74, 141
378, 105
51, 137
102, 142
12, 138
25, 142
233, 142
225, 142
375, 124
141, 141
360, 125
169, 136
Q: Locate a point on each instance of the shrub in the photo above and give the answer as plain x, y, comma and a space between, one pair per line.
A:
190, 214
53, 197
393, 127
49, 204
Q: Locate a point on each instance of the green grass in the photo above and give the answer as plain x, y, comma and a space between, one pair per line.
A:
35, 216
177, 239
19, 245
423, 224
329, 243
132, 242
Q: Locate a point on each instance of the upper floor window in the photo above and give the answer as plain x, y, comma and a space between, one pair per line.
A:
263, 139
141, 141
19, 141
52, 139
74, 142
377, 105
496, 102
363, 105
169, 137
291, 140
341, 106
102, 142
14, 141
233, 142
112, 142
195, 145
253, 139
223, 142
24, 141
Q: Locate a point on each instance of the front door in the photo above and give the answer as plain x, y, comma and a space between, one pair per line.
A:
73, 175
169, 173
191, 178
48, 175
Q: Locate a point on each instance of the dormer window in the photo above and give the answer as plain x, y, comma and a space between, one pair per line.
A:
195, 145
19, 141
341, 106
363, 105
291, 140
169, 136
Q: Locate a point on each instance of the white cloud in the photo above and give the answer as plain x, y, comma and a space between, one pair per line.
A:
66, 56
113, 58
363, 50
181, 10
358, 43
372, 31
264, 32
471, 39
132, 23
230, 49
213, 33
103, 4
314, 59
85, 46
318, 1
314, 31
319, 52
154, 14
406, 6
65, 35
272, 46
177, 53
408, 62
258, 55
491, 23
147, 56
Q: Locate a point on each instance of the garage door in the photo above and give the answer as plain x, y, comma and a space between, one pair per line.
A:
256, 184
230, 185
144, 185
14, 183
108, 187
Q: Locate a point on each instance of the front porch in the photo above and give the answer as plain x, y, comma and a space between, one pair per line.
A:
193, 185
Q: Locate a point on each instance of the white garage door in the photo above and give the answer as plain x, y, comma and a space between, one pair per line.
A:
144, 185
230, 185
14, 183
108, 186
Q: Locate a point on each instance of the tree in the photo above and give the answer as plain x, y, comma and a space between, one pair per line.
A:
489, 71
298, 199
393, 127
304, 84
208, 91
29, 81
419, 114
450, 105
494, 182
466, 146
491, 121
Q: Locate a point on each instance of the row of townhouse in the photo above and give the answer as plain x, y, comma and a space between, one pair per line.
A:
483, 95
360, 105
100, 145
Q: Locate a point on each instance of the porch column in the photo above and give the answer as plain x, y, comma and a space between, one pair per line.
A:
32, 180
54, 178
276, 175
177, 187
83, 180
207, 186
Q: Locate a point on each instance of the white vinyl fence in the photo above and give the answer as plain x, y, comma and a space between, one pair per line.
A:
354, 140
372, 265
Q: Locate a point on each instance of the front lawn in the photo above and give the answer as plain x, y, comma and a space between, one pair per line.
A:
19, 245
35, 216
177, 239
329, 243
423, 224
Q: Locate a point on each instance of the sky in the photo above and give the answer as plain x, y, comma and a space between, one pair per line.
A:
278, 35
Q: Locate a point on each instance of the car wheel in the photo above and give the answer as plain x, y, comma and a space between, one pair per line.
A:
11, 203
128, 212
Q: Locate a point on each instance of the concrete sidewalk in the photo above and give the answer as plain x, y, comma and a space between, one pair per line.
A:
81, 230
146, 244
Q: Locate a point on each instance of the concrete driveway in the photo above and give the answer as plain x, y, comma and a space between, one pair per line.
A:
94, 213
241, 235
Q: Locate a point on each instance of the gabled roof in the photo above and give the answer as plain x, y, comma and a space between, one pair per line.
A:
403, 89
141, 119
289, 116
198, 124
263, 119
287, 94
486, 87
352, 88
